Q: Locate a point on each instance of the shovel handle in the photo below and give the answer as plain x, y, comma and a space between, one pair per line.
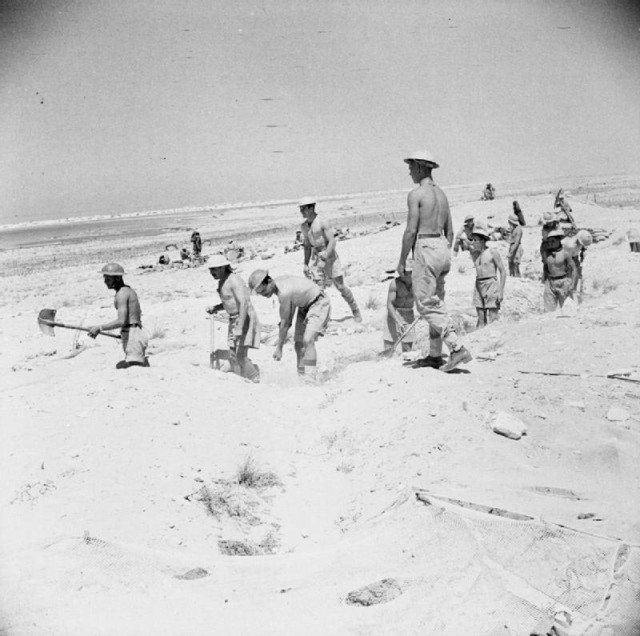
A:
64, 326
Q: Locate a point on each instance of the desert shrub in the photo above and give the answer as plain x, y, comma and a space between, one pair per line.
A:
250, 476
604, 285
372, 303
157, 332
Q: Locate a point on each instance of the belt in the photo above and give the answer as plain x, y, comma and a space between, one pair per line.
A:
318, 297
129, 326
487, 278
557, 277
421, 236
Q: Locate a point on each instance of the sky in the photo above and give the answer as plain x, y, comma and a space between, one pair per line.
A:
117, 106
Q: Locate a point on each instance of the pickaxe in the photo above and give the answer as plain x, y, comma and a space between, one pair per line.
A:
47, 321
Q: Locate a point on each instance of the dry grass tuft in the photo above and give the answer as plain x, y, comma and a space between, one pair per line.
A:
604, 285
372, 303
250, 476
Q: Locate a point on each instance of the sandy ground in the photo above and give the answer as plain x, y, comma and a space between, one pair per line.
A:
125, 509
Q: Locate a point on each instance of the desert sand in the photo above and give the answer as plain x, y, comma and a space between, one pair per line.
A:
184, 500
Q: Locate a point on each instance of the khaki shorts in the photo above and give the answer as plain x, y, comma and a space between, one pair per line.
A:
134, 342
314, 318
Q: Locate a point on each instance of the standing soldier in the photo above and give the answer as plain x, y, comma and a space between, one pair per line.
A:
196, 242
300, 296
134, 339
487, 294
429, 233
515, 246
320, 242
462, 240
576, 246
244, 327
559, 272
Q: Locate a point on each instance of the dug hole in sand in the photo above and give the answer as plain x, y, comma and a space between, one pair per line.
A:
183, 500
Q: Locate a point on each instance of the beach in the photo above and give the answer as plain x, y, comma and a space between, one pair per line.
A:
181, 499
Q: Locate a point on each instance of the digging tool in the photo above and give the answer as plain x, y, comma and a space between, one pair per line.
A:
212, 338
47, 321
387, 353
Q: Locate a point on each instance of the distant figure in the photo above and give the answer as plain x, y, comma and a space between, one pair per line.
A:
400, 315
565, 209
429, 233
312, 308
515, 246
463, 241
487, 294
244, 327
184, 254
134, 339
320, 243
489, 193
196, 242
164, 259
559, 272
518, 212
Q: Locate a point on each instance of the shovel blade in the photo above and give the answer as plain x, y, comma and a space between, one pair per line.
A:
45, 317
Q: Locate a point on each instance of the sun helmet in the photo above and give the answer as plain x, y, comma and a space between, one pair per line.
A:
113, 269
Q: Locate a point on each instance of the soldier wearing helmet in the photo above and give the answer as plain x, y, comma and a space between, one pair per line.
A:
134, 338
462, 240
429, 233
244, 327
300, 296
559, 272
514, 255
319, 243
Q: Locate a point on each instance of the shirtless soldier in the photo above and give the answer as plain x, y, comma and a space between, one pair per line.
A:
429, 233
134, 339
487, 294
320, 242
399, 316
560, 275
313, 312
515, 246
244, 328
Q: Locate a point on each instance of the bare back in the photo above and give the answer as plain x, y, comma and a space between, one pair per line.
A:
128, 306
434, 215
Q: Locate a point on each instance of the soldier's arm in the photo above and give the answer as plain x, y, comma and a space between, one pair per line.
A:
572, 270
241, 303
500, 267
306, 244
330, 239
286, 315
121, 301
411, 231
448, 227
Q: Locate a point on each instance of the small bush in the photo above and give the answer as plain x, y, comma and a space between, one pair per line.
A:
372, 303
250, 476
157, 332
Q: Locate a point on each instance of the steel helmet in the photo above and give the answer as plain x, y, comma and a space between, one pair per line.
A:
584, 238
113, 269
257, 277
422, 155
548, 218
513, 219
307, 201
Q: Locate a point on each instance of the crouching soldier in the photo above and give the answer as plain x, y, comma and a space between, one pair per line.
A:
399, 316
134, 339
244, 327
488, 293
312, 307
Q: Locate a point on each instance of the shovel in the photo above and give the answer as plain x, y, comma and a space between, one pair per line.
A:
46, 322
387, 353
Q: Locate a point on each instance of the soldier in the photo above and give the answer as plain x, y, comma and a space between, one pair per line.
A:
134, 339
515, 246
320, 242
429, 233
244, 327
462, 240
487, 294
576, 246
399, 316
559, 272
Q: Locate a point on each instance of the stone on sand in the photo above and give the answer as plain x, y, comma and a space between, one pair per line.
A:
509, 425
617, 414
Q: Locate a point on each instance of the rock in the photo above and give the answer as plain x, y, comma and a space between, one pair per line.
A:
617, 414
509, 425
195, 573
375, 593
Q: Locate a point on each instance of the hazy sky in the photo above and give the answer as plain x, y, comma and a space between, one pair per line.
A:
113, 106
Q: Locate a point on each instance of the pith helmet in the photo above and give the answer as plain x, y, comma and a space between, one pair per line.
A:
584, 238
513, 219
468, 219
307, 201
218, 260
480, 228
548, 218
422, 155
112, 269
257, 277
